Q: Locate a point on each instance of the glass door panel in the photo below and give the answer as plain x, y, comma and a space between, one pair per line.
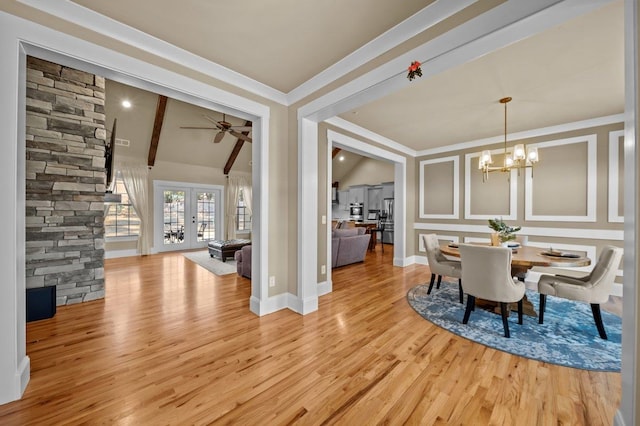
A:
173, 210
205, 216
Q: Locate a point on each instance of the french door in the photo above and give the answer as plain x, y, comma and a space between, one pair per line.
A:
186, 216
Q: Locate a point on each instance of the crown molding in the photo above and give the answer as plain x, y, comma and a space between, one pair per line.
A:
426, 18
368, 134
80, 15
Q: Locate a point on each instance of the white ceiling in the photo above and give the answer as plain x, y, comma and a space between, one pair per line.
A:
568, 73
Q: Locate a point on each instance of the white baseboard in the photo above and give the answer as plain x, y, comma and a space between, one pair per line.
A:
24, 373
325, 287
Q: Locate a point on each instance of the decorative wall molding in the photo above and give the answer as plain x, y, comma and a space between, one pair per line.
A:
592, 177
614, 213
422, 248
543, 131
513, 190
455, 214
596, 234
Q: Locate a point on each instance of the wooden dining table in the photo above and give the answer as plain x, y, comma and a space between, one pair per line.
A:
524, 258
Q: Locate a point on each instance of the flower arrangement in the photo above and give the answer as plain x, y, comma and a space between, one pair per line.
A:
504, 231
414, 70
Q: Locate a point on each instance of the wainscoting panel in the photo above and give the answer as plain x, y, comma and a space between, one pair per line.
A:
439, 188
496, 197
566, 181
616, 176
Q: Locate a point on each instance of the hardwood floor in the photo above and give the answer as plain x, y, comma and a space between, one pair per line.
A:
174, 344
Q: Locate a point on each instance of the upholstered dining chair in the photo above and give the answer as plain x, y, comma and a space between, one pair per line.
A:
593, 288
440, 265
486, 273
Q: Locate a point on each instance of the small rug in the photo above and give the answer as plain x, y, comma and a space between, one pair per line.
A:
568, 336
216, 266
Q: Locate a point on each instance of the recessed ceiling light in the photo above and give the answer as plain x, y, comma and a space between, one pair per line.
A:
341, 158
126, 103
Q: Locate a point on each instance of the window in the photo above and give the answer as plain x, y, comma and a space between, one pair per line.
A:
244, 218
120, 220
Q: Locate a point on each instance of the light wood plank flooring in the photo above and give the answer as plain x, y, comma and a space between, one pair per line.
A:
174, 344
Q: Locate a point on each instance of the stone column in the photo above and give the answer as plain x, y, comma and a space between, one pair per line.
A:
65, 181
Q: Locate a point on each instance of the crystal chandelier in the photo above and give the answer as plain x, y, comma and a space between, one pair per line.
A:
521, 158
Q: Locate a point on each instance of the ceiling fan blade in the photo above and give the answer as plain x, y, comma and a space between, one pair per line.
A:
218, 137
240, 136
210, 119
241, 128
193, 127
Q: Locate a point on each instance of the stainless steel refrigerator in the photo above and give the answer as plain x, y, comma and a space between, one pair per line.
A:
387, 208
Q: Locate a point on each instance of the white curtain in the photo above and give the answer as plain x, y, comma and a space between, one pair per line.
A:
135, 177
235, 184
233, 196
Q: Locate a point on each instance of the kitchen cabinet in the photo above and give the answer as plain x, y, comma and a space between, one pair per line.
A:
374, 199
343, 200
357, 194
387, 190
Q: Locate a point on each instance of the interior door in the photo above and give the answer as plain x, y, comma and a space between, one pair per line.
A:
187, 216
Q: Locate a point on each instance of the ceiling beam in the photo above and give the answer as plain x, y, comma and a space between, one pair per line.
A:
236, 150
335, 152
157, 127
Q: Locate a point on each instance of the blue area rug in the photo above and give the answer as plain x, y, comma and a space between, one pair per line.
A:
568, 336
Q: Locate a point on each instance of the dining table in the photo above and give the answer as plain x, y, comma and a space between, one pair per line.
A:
524, 258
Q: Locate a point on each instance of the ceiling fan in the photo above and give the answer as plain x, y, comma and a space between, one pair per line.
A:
223, 127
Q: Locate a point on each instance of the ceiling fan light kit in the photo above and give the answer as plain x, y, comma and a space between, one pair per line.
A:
521, 158
223, 126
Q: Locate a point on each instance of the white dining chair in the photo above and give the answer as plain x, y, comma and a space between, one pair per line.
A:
486, 273
593, 288
439, 264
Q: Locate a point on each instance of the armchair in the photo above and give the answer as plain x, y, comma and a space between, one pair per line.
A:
439, 265
593, 288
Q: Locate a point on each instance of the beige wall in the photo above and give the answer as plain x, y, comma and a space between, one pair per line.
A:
368, 172
559, 189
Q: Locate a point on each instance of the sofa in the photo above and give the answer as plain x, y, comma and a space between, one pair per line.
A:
348, 246
243, 261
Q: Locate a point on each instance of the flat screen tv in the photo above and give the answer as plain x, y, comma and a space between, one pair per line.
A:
108, 156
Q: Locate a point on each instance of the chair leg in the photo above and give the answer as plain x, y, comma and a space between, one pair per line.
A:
543, 303
439, 281
460, 290
433, 278
471, 301
595, 308
520, 311
505, 318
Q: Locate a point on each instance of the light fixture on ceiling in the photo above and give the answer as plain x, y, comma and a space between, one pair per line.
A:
126, 103
341, 158
522, 157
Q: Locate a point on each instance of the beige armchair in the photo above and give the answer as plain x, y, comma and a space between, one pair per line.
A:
486, 273
440, 265
593, 288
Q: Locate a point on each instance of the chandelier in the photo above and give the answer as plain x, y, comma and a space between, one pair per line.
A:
520, 159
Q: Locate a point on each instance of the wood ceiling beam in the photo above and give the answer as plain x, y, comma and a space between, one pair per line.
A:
335, 152
235, 151
157, 127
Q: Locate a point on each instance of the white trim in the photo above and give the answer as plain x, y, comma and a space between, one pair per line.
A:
597, 234
368, 134
429, 16
476, 240
94, 21
513, 190
325, 287
121, 239
592, 180
614, 141
455, 214
114, 254
527, 134
422, 248
420, 260
504, 24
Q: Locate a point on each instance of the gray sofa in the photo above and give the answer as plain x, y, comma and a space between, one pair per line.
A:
243, 261
348, 246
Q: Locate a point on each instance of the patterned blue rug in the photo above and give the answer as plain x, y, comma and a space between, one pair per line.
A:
568, 336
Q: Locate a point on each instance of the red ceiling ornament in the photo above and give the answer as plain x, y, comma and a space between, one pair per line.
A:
414, 70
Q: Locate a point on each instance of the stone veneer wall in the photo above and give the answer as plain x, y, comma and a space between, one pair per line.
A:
65, 181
